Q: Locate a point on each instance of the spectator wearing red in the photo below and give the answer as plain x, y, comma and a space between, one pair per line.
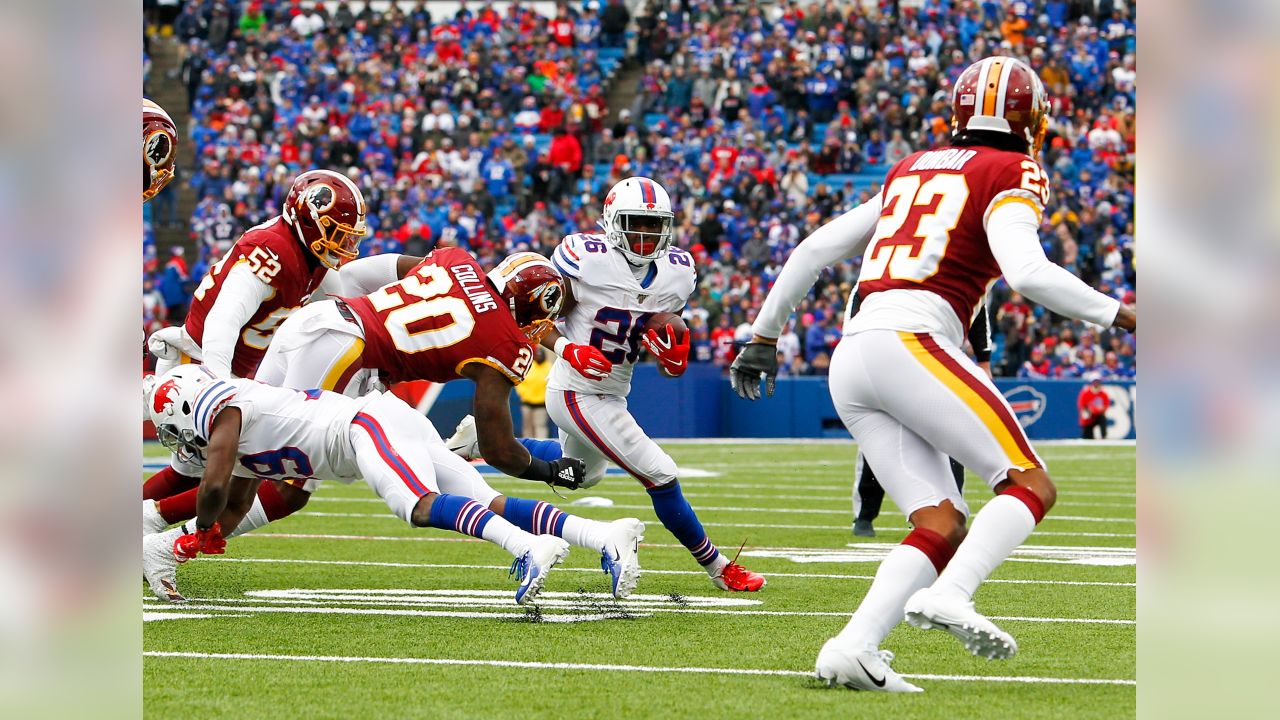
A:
1093, 403
562, 28
552, 117
566, 152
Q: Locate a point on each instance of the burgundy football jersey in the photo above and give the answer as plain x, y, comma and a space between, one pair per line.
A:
442, 316
276, 256
932, 229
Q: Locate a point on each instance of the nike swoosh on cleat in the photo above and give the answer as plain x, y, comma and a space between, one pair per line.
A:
878, 683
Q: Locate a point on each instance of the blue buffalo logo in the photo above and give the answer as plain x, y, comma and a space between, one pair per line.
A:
1027, 403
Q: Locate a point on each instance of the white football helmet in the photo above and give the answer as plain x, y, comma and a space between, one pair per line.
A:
638, 219
171, 403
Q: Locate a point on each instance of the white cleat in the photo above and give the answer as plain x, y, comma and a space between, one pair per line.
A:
621, 557
152, 521
544, 553
860, 669
160, 567
929, 609
464, 442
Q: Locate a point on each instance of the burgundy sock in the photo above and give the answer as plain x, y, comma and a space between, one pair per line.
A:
167, 483
932, 544
180, 507
273, 503
1028, 498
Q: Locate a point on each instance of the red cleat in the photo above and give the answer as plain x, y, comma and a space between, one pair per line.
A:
736, 578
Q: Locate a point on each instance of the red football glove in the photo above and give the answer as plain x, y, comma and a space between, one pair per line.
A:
588, 361
672, 354
209, 542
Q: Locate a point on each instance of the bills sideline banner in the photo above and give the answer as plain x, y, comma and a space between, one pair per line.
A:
702, 405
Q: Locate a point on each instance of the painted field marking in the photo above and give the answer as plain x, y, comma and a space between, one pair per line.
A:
609, 667
876, 552
596, 570
579, 606
433, 538
758, 526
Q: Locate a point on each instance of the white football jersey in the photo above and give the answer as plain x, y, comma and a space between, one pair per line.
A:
285, 434
613, 306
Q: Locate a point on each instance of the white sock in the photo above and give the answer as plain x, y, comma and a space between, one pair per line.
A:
905, 570
585, 533
714, 567
1000, 527
254, 519
508, 536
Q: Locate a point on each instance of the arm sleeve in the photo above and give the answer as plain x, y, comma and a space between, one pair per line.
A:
1015, 243
363, 276
843, 238
980, 333
241, 295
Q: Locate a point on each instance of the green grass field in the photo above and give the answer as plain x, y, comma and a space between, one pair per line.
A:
342, 611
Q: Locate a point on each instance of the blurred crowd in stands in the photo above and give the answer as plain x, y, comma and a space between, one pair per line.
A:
490, 129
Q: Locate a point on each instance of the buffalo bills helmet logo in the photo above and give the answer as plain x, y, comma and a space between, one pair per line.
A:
1027, 403
163, 396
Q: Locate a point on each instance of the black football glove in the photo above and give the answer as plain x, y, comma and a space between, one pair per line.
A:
568, 472
754, 360
565, 472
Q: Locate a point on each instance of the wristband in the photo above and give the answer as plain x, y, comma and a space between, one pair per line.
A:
537, 470
561, 343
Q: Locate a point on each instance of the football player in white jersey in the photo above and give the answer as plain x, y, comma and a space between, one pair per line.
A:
948, 224
243, 432
615, 281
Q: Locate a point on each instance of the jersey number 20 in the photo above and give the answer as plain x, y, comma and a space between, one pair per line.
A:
422, 294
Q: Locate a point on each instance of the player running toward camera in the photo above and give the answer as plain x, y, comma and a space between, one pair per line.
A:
270, 271
243, 432
615, 282
947, 225
440, 318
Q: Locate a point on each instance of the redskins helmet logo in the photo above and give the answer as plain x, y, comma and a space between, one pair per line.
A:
158, 148
163, 397
550, 297
320, 198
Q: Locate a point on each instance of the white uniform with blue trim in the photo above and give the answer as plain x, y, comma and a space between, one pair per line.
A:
312, 434
613, 303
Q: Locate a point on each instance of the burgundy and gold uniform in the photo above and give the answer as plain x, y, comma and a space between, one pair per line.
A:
932, 229
441, 317
273, 254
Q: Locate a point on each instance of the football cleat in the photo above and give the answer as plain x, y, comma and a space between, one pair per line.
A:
152, 521
544, 553
464, 442
160, 567
621, 555
860, 669
735, 578
863, 528
929, 609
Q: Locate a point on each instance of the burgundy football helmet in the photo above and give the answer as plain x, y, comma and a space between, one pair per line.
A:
534, 292
1002, 94
159, 149
326, 211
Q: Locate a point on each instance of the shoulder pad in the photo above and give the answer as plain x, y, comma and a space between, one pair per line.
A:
578, 250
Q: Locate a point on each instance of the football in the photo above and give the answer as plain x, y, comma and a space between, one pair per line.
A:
658, 321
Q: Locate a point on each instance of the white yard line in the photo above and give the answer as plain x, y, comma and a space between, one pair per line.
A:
607, 668
749, 526
408, 607
434, 538
645, 571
